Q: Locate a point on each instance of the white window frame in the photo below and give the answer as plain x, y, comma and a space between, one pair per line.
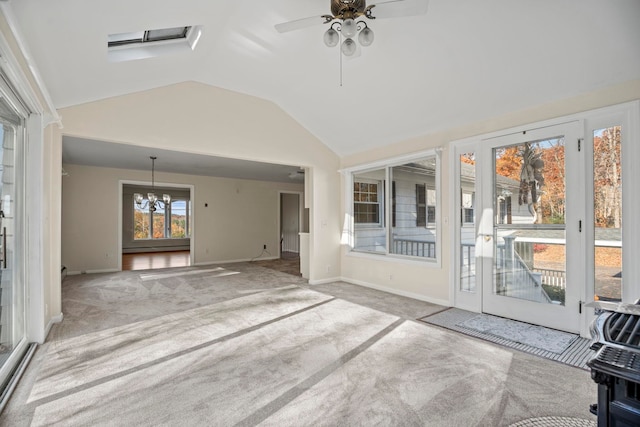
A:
387, 164
381, 205
167, 221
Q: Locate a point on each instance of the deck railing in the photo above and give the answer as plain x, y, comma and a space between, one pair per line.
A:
555, 278
412, 247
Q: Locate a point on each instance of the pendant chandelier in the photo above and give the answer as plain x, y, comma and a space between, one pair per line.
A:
152, 200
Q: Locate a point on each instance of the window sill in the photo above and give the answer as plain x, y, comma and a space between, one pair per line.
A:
396, 259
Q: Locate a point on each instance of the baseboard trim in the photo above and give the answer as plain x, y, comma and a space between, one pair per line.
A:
106, 270
325, 281
55, 319
231, 261
400, 292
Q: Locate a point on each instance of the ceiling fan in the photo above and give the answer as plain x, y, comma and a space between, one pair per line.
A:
344, 20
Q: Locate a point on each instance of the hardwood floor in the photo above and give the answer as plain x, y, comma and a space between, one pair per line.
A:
151, 260
288, 263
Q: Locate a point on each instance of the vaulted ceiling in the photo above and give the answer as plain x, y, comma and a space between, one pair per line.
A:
463, 61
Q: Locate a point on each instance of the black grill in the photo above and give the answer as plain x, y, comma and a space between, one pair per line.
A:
624, 329
616, 365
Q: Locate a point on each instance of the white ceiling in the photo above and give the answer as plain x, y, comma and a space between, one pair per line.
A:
82, 151
461, 62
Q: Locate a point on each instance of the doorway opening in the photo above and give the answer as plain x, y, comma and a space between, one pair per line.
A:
292, 221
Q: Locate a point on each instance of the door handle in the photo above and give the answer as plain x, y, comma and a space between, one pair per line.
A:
4, 247
487, 237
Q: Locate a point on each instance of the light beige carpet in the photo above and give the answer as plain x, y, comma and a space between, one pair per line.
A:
259, 347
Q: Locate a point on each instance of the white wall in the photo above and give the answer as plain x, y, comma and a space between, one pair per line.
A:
240, 217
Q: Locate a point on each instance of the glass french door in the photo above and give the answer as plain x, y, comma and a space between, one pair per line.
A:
12, 288
544, 223
531, 230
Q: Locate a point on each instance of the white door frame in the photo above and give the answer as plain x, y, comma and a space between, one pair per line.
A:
567, 316
627, 115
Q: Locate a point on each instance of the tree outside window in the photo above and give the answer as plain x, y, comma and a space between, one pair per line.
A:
169, 221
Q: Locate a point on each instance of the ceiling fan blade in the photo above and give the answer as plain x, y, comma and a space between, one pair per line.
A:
298, 24
398, 8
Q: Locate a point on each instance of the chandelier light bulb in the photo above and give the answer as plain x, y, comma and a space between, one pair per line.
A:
348, 47
366, 37
331, 37
349, 28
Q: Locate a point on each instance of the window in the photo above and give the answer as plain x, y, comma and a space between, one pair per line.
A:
393, 204
144, 44
411, 229
141, 221
467, 208
431, 214
169, 221
368, 210
425, 206
421, 206
366, 202
179, 219
135, 37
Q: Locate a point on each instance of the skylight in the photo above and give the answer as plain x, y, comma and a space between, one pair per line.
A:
147, 36
151, 43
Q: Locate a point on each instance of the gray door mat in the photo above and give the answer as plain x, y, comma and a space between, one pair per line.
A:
576, 353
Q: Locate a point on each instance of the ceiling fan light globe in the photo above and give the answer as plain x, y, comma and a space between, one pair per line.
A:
349, 28
348, 47
365, 37
331, 38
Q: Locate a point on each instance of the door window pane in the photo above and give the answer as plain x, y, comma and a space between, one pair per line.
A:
12, 287
529, 227
467, 179
607, 205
